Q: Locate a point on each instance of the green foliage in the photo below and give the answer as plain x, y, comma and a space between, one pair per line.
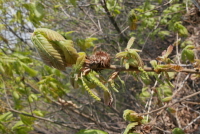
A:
164, 90
79, 62
130, 115
26, 119
177, 131
85, 44
51, 86
167, 99
129, 128
93, 77
15, 63
130, 56
21, 128
6, 117
113, 6
187, 54
91, 131
182, 31
36, 12
89, 91
144, 93
31, 86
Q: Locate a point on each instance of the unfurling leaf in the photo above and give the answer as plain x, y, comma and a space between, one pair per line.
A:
121, 54
165, 54
153, 63
54, 50
36, 10
80, 60
130, 42
130, 115
130, 127
136, 61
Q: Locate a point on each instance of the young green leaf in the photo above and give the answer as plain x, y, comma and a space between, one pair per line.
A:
27, 120
130, 127
130, 115
130, 42
6, 116
91, 131
177, 131
188, 54
167, 99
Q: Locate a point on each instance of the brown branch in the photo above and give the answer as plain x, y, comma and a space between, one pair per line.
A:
149, 69
112, 20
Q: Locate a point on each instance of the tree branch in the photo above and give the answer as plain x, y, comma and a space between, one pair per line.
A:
41, 118
149, 69
112, 20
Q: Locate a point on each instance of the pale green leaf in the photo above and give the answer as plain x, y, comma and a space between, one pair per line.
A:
121, 55
16, 95
6, 116
91, 131
69, 51
27, 119
38, 113
80, 60
18, 124
167, 99
29, 70
49, 34
130, 127
130, 42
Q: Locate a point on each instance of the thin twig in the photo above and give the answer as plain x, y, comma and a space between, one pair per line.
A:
191, 122
169, 105
41, 118
152, 92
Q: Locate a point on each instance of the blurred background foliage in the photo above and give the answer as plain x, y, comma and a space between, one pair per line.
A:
29, 87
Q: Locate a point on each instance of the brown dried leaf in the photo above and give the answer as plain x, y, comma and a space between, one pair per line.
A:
177, 68
113, 76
